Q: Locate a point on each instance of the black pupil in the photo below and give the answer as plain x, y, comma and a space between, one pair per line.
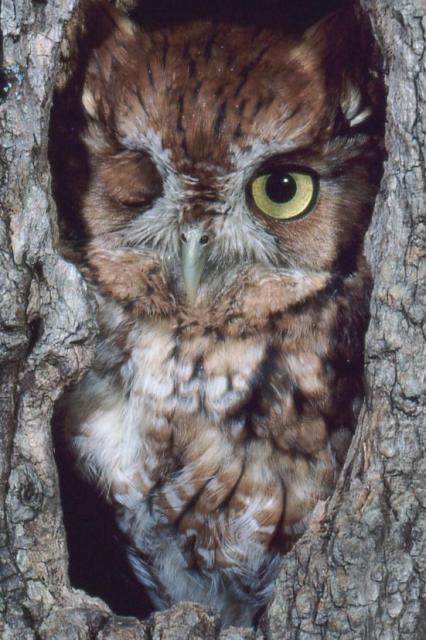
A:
280, 187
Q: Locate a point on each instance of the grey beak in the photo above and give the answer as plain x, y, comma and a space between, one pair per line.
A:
194, 242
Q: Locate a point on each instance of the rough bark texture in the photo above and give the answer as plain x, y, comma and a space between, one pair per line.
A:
360, 572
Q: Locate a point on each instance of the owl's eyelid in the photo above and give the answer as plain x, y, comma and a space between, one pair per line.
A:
141, 204
144, 153
122, 150
272, 166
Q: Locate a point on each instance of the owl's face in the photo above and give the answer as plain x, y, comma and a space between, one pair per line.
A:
214, 150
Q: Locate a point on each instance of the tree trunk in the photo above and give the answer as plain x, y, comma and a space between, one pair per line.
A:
360, 571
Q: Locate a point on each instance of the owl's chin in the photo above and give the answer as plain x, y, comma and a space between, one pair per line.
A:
234, 299
257, 302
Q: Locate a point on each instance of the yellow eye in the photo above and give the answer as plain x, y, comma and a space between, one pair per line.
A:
284, 193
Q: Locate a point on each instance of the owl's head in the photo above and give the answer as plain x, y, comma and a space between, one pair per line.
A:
215, 148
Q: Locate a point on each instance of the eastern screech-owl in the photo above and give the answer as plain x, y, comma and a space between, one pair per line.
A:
232, 173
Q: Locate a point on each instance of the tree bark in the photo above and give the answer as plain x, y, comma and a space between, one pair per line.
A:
360, 570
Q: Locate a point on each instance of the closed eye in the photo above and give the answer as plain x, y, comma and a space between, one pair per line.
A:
131, 179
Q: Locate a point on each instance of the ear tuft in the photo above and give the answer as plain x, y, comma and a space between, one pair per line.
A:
110, 33
118, 19
343, 43
351, 102
89, 102
125, 25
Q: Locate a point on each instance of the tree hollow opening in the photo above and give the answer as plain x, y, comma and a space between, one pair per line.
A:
98, 562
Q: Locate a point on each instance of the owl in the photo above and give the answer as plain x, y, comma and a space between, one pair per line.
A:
232, 170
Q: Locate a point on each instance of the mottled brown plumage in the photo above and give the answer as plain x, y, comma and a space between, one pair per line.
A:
217, 414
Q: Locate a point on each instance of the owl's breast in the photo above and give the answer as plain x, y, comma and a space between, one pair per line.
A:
215, 448
202, 376
220, 433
